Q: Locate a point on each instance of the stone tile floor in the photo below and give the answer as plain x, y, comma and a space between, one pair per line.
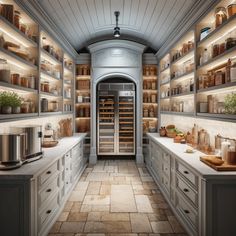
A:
116, 197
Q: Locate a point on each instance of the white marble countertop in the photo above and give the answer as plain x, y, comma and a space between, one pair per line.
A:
193, 160
33, 169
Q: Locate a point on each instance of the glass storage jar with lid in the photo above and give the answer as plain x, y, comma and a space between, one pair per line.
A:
17, 19
220, 16
5, 75
55, 106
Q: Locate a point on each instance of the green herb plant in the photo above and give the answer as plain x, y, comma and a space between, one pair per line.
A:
230, 103
11, 99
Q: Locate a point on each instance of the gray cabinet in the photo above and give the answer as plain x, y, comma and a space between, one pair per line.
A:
205, 205
30, 206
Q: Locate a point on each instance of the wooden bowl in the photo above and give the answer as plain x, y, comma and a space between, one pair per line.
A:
48, 144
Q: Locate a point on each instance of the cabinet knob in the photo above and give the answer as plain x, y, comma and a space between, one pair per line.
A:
49, 211
186, 211
49, 190
186, 172
49, 172
185, 190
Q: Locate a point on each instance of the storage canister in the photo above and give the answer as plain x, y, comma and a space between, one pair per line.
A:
4, 71
231, 10
220, 16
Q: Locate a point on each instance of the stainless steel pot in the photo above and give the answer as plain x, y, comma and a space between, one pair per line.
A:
10, 148
32, 141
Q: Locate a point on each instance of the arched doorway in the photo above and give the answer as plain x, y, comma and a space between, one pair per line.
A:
116, 118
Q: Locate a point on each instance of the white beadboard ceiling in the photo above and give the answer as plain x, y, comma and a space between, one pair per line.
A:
86, 21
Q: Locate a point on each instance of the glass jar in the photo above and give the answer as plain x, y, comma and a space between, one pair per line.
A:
23, 28
17, 19
220, 16
215, 51
44, 105
25, 107
230, 42
31, 81
15, 79
24, 82
231, 10
4, 71
46, 87
55, 106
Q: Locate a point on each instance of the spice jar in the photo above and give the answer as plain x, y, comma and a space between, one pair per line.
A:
24, 82
153, 98
220, 16
4, 71
15, 79
46, 87
17, 19
23, 28
231, 10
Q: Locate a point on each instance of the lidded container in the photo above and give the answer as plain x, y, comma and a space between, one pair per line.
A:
231, 10
5, 75
220, 16
17, 18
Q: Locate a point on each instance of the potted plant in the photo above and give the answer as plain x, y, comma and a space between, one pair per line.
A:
10, 102
230, 103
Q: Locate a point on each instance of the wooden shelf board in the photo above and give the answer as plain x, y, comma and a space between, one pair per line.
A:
16, 60
185, 57
18, 88
216, 88
8, 117
15, 33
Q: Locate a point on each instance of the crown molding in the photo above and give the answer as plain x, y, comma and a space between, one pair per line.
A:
199, 9
34, 10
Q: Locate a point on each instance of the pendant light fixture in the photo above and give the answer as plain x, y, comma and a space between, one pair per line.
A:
116, 29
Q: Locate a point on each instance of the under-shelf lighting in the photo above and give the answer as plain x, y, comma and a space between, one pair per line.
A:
14, 38
222, 36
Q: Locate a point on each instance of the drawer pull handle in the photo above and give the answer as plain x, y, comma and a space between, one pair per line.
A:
67, 183
49, 172
49, 211
186, 190
186, 211
186, 172
49, 190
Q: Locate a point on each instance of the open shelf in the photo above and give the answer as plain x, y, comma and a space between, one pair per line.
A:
16, 60
10, 29
17, 88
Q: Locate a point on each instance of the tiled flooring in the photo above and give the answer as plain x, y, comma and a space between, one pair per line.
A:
116, 198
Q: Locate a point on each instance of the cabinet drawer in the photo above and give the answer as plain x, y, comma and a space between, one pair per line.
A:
187, 191
48, 191
46, 213
166, 158
77, 150
166, 169
187, 211
166, 183
187, 174
48, 173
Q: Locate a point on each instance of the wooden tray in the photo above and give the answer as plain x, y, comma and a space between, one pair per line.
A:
223, 167
49, 144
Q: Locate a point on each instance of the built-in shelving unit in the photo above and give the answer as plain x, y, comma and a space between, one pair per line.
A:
214, 74
177, 83
150, 101
82, 102
33, 65
210, 76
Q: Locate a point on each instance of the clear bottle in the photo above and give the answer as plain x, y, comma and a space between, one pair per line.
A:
205, 56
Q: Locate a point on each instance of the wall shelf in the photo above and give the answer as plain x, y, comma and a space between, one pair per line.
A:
16, 60
8, 117
10, 29
17, 88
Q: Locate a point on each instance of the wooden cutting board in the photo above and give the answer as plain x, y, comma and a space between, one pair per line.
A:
223, 167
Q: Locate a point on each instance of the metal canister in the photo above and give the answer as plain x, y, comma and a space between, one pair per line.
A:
10, 148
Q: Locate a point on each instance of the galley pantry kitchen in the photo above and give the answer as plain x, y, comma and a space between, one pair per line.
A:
167, 109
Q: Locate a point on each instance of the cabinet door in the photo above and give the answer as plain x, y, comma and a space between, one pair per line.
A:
15, 208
